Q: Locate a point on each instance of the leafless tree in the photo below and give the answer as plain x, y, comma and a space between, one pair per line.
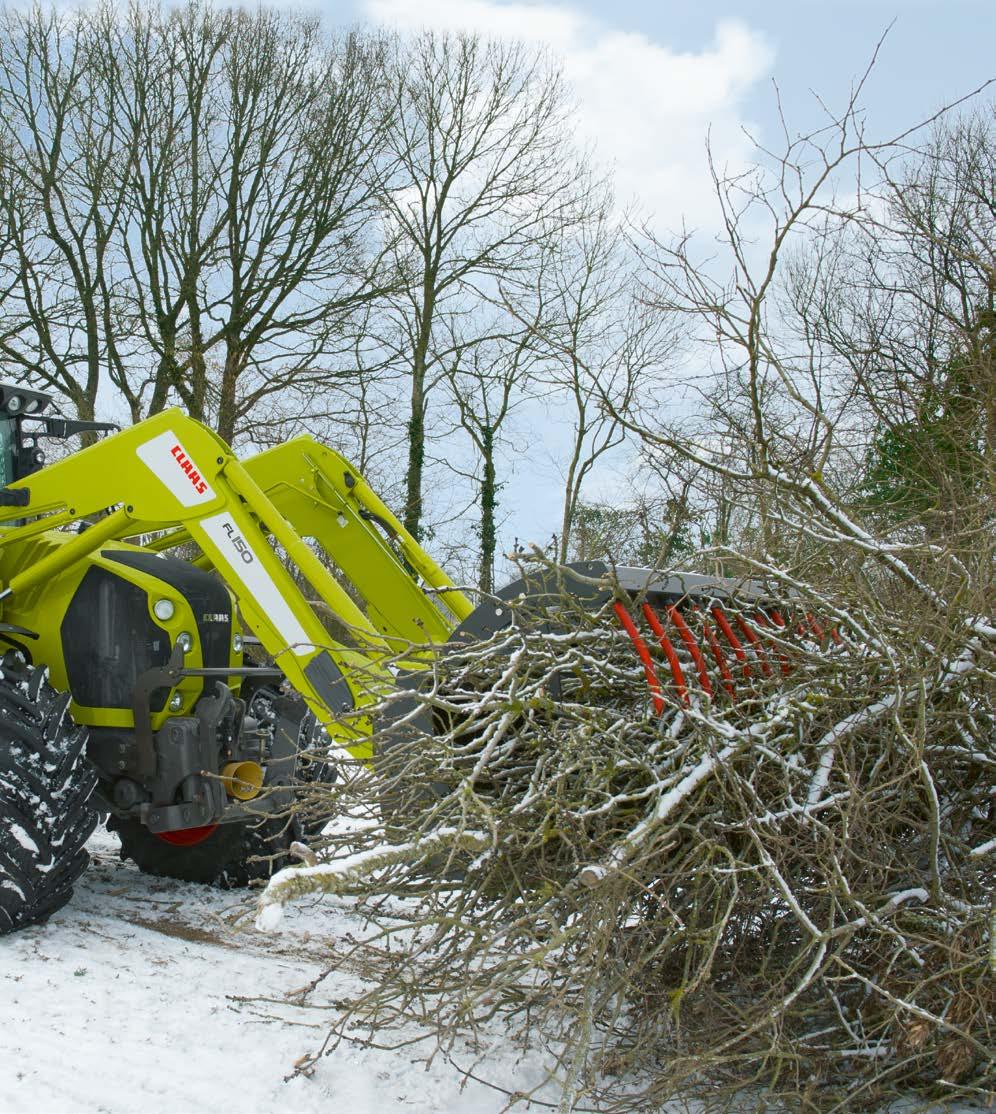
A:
190, 199
481, 172
253, 200
901, 306
488, 381
602, 347
64, 308
696, 882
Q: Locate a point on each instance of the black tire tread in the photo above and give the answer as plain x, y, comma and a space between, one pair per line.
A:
233, 856
46, 792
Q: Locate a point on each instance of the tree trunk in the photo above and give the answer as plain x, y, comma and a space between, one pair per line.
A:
489, 503
416, 420
570, 505
198, 365
416, 457
227, 397
165, 373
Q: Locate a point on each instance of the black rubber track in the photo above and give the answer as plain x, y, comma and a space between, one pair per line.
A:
46, 790
238, 854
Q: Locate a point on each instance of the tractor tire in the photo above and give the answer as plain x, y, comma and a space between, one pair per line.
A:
229, 857
46, 794
238, 854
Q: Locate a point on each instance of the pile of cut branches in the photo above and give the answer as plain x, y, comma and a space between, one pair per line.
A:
790, 890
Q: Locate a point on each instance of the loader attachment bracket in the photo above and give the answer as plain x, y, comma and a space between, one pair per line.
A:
542, 587
330, 683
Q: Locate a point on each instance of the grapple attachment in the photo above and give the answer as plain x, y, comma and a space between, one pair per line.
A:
587, 644
716, 636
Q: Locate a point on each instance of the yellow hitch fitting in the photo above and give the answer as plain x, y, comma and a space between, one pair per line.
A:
242, 780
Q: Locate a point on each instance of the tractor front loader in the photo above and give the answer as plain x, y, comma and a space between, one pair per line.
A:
125, 687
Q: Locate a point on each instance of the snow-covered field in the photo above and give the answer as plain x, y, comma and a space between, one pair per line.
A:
149, 996
135, 997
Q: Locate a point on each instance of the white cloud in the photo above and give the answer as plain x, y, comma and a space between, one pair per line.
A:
645, 106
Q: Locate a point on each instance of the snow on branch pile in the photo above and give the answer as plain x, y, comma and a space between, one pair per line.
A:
791, 891
798, 879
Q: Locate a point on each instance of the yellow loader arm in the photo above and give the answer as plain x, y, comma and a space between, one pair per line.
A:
172, 474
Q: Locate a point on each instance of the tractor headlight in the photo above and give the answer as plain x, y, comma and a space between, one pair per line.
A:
175, 702
14, 404
237, 643
164, 610
185, 641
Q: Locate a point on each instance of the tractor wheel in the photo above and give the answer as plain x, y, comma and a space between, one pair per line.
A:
225, 855
237, 854
46, 788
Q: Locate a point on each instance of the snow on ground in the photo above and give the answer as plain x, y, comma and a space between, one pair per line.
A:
137, 998
126, 1001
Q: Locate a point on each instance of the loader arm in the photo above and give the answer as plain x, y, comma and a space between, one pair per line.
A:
171, 473
323, 497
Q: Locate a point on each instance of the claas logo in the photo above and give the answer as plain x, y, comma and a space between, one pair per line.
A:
192, 474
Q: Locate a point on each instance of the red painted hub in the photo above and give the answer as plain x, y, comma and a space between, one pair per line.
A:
187, 837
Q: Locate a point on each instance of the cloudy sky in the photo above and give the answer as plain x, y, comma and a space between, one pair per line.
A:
653, 77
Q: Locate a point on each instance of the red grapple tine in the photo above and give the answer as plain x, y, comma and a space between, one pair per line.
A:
641, 648
814, 626
724, 625
717, 653
762, 621
692, 646
755, 642
669, 651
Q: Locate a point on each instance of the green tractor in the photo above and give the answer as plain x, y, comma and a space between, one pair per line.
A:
125, 683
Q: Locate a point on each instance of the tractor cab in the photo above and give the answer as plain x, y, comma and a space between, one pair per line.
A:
23, 423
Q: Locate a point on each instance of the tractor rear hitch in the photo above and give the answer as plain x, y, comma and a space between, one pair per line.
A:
167, 677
